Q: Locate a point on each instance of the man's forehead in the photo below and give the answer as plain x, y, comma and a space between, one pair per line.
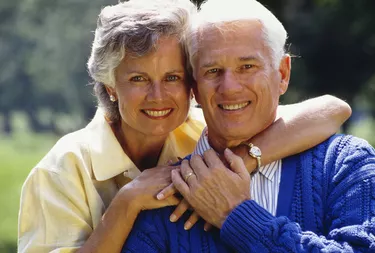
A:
227, 31
242, 40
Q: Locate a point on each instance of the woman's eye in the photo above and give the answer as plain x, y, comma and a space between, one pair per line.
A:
137, 79
172, 78
213, 71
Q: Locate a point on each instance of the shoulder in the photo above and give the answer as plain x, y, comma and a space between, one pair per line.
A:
347, 164
346, 151
152, 228
339, 158
69, 157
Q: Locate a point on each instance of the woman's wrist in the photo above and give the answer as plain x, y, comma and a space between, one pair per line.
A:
126, 199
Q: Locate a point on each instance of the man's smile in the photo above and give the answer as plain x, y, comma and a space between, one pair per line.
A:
234, 107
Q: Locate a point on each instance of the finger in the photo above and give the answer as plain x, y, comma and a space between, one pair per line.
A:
182, 207
198, 165
180, 184
166, 192
212, 159
187, 172
170, 201
235, 162
194, 217
207, 226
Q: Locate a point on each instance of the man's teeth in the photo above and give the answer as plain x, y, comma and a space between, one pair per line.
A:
157, 113
234, 107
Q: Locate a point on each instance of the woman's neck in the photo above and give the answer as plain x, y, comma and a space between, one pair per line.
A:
143, 150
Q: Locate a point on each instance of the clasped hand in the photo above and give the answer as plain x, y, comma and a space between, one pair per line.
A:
212, 189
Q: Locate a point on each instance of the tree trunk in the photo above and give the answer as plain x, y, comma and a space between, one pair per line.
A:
7, 124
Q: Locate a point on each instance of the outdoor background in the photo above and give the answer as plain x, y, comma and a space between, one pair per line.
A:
45, 91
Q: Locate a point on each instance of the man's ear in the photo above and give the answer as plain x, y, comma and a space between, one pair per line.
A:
284, 70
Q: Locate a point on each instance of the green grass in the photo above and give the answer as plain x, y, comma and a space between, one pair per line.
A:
18, 155
364, 129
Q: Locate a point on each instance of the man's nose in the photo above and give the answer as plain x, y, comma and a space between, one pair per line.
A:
156, 92
230, 83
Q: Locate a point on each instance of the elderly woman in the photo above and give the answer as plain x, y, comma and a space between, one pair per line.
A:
86, 193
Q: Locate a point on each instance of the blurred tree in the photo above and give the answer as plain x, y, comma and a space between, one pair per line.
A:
9, 61
45, 45
336, 44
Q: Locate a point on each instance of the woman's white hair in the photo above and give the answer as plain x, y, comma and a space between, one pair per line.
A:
134, 27
217, 12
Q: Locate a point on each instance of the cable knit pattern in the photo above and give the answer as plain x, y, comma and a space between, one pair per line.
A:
332, 210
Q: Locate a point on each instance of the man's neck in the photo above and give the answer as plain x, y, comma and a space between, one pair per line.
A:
220, 144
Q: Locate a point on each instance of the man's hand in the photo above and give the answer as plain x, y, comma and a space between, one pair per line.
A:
212, 189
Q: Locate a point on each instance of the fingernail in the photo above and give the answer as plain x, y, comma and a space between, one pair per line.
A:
160, 196
228, 151
173, 218
187, 225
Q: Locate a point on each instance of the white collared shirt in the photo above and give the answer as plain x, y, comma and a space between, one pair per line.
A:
66, 194
264, 185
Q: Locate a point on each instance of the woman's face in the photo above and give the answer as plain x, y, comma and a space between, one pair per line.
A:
152, 90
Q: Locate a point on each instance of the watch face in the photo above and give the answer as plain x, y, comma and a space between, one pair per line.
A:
255, 151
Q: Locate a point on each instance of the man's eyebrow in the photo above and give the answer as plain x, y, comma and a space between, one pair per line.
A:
209, 64
248, 58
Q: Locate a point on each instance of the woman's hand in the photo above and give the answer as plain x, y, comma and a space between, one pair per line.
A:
141, 193
182, 207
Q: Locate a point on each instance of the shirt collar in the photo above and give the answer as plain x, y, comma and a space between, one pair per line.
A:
109, 160
268, 171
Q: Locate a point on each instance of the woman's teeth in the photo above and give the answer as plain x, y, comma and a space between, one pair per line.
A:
157, 113
234, 106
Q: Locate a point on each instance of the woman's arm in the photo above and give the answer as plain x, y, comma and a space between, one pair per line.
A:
297, 128
118, 220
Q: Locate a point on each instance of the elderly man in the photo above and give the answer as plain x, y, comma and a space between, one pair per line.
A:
322, 200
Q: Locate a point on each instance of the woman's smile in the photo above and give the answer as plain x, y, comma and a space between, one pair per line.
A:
158, 113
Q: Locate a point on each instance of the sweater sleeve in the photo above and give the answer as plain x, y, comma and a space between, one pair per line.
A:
349, 219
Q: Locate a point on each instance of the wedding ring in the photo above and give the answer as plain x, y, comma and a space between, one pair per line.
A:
188, 175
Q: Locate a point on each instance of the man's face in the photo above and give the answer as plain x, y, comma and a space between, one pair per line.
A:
237, 85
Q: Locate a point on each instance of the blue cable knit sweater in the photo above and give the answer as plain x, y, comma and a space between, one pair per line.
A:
326, 204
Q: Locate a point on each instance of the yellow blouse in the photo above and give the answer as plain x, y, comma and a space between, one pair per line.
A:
66, 194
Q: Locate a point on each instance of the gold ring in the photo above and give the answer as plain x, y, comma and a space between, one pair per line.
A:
188, 175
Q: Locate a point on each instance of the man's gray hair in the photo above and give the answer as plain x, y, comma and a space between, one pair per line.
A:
217, 12
132, 27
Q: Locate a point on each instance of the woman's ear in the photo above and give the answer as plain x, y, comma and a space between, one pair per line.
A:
109, 90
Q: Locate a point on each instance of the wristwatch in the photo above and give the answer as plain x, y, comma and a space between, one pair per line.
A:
255, 152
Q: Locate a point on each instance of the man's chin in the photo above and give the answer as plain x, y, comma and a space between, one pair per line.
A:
234, 136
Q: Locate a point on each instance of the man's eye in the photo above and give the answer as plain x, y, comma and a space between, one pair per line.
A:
172, 78
213, 71
137, 79
247, 66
